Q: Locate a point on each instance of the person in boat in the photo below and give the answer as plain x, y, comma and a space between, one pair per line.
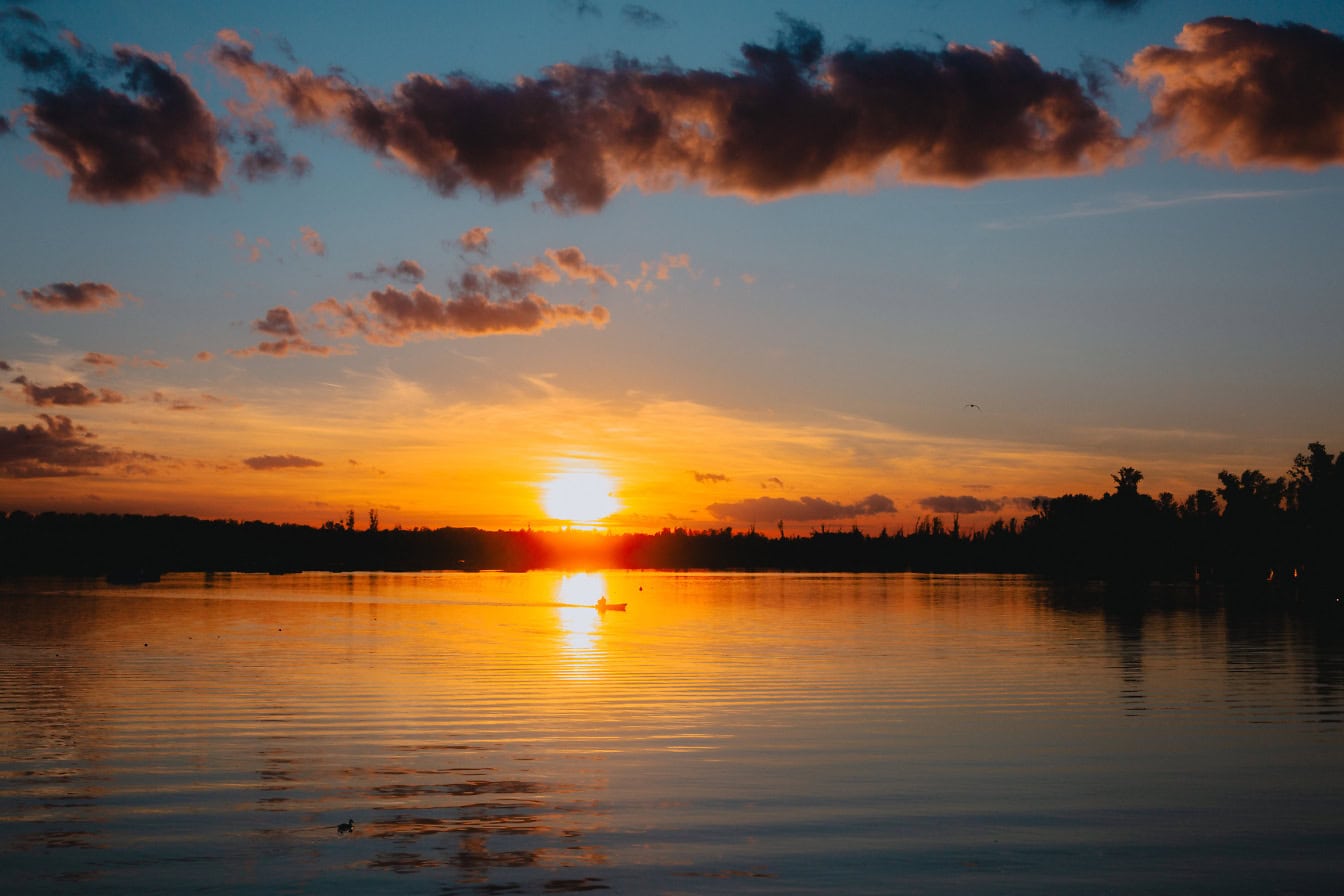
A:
602, 602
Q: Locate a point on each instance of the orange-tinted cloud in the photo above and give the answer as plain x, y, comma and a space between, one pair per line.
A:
572, 261
800, 511
152, 137
1248, 94
391, 317
956, 116
77, 297
312, 241
477, 239
55, 447
280, 462
67, 394
282, 323
405, 271
98, 359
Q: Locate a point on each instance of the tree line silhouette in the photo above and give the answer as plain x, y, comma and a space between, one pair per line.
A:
1250, 529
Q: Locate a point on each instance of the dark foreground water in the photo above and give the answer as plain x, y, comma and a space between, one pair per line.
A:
753, 734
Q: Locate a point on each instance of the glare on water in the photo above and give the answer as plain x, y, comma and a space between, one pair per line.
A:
728, 733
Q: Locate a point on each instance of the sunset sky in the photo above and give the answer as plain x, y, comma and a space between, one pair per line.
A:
666, 264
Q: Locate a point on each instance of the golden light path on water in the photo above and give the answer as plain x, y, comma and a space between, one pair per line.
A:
729, 733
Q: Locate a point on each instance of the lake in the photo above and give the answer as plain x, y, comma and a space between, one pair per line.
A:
492, 733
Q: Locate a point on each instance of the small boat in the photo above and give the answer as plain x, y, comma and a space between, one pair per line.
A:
602, 606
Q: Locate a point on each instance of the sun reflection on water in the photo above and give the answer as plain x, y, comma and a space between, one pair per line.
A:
578, 620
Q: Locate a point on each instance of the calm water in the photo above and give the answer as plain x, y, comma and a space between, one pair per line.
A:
755, 734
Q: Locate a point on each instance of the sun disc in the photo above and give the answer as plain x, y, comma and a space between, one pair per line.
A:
580, 496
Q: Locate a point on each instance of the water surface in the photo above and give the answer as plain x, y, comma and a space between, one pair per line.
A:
729, 733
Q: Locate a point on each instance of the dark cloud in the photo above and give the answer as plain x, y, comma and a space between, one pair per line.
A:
77, 297
709, 477
643, 17
959, 504
282, 323
5, 126
55, 447
71, 394
404, 271
1112, 6
800, 510
483, 301
147, 136
1248, 94
4, 366
955, 116
280, 462
265, 158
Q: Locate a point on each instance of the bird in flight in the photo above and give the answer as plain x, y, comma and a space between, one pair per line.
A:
976, 406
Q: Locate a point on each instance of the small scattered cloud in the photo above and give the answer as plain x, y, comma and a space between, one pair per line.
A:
71, 394
709, 477
280, 462
773, 482
205, 356
571, 260
281, 323
1107, 6
312, 241
80, 298
251, 250
98, 359
650, 271
800, 510
404, 271
482, 302
477, 240
1246, 94
643, 17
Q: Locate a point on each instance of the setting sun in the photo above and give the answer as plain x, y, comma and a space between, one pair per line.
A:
580, 496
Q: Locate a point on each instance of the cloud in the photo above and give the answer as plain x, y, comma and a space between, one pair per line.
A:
802, 510
773, 481
55, 447
280, 462
204, 356
405, 271
572, 262
149, 136
1248, 94
4, 365
98, 359
282, 323
75, 297
265, 158
643, 17
312, 241
254, 250
709, 477
482, 302
658, 270
959, 504
477, 239
68, 394
956, 116
1112, 6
